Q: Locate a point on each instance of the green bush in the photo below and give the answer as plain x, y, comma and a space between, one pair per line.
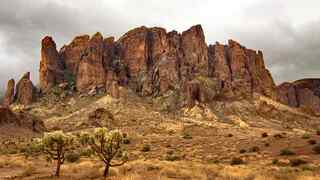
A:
287, 152
236, 161
146, 148
72, 157
86, 152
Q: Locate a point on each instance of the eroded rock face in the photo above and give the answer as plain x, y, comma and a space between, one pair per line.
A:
303, 93
25, 91
152, 61
72, 53
9, 95
91, 72
51, 65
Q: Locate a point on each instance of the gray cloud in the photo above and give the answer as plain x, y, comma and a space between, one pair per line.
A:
289, 41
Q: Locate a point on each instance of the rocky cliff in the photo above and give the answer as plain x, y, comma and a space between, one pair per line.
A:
303, 93
151, 62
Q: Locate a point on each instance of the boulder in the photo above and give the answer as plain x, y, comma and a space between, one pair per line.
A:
51, 65
9, 95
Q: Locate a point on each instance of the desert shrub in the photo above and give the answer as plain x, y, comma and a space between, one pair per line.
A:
306, 136
72, 157
213, 161
264, 135
267, 144
287, 152
297, 162
107, 145
318, 132
186, 136
126, 141
254, 149
86, 152
242, 151
56, 144
278, 136
230, 135
146, 148
316, 149
312, 142
236, 161
172, 157
275, 161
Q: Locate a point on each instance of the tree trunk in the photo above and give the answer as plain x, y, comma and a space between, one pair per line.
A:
106, 170
58, 167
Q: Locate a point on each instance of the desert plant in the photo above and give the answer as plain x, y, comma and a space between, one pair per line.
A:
242, 151
287, 152
275, 161
236, 161
297, 162
306, 136
316, 149
264, 135
186, 136
72, 157
56, 144
107, 145
146, 148
254, 149
312, 142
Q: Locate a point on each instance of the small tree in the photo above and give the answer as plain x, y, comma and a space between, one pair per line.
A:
55, 145
106, 146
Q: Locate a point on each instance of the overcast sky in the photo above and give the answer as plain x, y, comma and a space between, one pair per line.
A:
287, 31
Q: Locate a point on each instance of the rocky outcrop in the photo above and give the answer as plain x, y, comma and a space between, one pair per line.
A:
91, 72
21, 119
152, 61
303, 93
25, 91
51, 65
9, 95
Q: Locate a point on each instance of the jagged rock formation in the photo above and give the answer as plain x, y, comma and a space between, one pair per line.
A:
303, 93
21, 119
25, 91
152, 61
9, 95
51, 66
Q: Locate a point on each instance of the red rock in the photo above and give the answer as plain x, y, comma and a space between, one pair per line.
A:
25, 91
91, 72
51, 65
9, 95
72, 53
195, 60
303, 93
